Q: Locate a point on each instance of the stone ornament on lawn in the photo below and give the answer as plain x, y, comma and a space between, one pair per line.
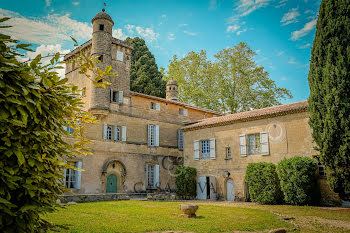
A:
188, 210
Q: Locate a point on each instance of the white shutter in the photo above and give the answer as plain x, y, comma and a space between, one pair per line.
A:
196, 150
146, 175
156, 176
121, 97
105, 131
111, 95
64, 178
185, 112
123, 133
149, 134
212, 148
115, 131
202, 188
158, 106
264, 143
243, 144
156, 135
78, 175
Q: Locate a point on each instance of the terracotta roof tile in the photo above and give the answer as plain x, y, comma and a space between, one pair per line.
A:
251, 115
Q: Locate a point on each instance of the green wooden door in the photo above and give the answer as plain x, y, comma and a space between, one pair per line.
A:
111, 184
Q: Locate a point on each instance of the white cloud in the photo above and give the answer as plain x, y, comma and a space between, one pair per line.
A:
284, 78
241, 31
280, 53
292, 61
183, 25
164, 15
147, 33
118, 33
304, 31
232, 28
245, 7
48, 2
171, 36
190, 33
290, 17
75, 3
308, 45
213, 5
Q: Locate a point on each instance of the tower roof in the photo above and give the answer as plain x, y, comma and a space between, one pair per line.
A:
171, 82
102, 15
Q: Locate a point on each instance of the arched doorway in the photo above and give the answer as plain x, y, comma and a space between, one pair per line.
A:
111, 184
230, 192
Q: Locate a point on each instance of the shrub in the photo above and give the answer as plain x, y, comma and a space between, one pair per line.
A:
186, 185
298, 180
263, 183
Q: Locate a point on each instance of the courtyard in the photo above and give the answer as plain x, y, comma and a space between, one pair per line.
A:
147, 216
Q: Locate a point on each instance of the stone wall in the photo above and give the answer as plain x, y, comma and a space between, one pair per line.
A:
93, 197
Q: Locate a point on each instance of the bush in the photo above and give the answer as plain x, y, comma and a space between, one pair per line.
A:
298, 180
186, 185
263, 183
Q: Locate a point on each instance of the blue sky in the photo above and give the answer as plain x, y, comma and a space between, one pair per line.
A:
280, 31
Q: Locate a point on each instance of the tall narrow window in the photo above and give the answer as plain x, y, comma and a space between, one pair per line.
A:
153, 135
181, 111
180, 138
152, 176
72, 178
205, 149
254, 146
228, 152
102, 27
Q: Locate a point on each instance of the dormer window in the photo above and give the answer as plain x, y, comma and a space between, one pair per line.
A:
102, 27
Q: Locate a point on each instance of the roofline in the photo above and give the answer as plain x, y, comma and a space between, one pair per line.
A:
88, 43
297, 109
174, 102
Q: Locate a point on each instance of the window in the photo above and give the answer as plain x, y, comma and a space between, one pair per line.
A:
100, 58
153, 135
154, 106
205, 149
121, 97
321, 168
180, 139
114, 96
72, 178
102, 27
68, 129
228, 152
181, 111
120, 55
83, 92
254, 146
152, 176
115, 132
185, 112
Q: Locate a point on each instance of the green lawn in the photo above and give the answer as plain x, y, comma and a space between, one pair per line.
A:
146, 216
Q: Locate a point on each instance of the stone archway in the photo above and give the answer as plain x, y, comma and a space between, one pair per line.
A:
113, 168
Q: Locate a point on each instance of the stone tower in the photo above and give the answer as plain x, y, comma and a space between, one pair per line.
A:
101, 48
171, 90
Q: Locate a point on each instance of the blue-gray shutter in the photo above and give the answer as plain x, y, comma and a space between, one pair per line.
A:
264, 143
105, 131
78, 165
243, 145
121, 97
196, 150
156, 132
123, 133
156, 176
202, 188
212, 148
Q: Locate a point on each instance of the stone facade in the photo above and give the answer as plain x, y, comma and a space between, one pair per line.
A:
122, 151
288, 134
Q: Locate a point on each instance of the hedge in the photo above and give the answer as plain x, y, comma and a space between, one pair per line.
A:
186, 185
263, 183
298, 180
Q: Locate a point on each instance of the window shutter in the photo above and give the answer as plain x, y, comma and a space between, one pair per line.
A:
264, 142
156, 176
180, 139
115, 133
78, 165
196, 150
123, 133
121, 97
111, 95
243, 144
147, 175
158, 106
64, 176
212, 148
105, 131
185, 112
156, 135
149, 134
202, 188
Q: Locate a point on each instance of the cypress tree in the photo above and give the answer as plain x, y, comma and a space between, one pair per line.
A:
144, 74
329, 101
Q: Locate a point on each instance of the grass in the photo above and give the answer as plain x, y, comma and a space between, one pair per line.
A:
145, 216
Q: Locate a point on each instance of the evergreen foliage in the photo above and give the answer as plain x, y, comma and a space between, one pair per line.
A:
298, 179
233, 82
263, 182
144, 74
329, 101
186, 184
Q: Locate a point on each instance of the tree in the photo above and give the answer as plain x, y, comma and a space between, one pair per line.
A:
232, 82
35, 105
144, 75
329, 101
185, 180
